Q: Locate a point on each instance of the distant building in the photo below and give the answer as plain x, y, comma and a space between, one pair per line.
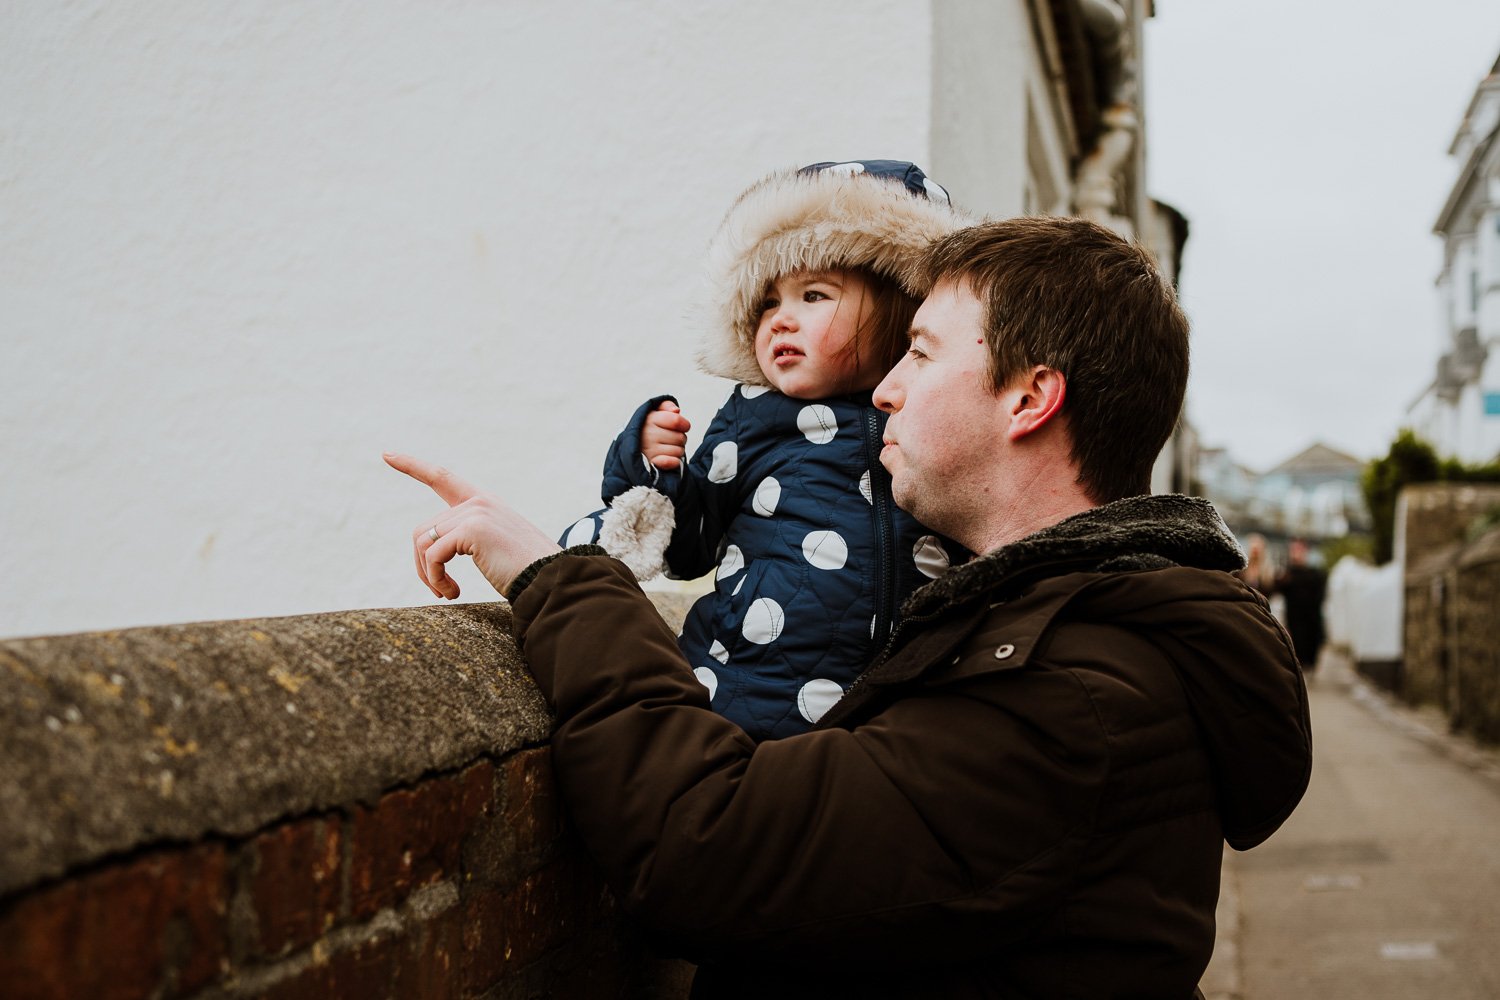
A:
1315, 494
1230, 485
1459, 411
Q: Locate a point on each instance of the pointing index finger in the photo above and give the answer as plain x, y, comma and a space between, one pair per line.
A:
445, 484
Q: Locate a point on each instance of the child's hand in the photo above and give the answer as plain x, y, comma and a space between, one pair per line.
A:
664, 436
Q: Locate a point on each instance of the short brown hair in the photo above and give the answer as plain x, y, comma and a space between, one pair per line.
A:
1073, 296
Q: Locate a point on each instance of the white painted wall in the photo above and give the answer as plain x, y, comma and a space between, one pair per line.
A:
1485, 444
244, 247
987, 53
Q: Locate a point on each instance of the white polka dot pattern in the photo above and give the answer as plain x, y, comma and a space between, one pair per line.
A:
847, 169
816, 697
764, 621
732, 563
708, 679
726, 462
817, 424
581, 533
791, 488
767, 496
825, 549
931, 558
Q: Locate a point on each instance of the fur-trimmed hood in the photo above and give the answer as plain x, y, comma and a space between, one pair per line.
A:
1144, 532
875, 214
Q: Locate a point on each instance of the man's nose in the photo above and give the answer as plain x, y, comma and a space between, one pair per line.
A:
888, 394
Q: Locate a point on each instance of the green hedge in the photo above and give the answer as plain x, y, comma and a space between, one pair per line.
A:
1411, 460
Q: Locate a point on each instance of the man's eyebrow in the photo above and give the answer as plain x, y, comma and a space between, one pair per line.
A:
917, 333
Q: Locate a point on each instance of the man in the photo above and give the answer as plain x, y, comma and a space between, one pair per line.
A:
1027, 793
1303, 586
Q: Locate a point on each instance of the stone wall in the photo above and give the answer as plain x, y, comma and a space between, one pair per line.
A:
1423, 677
1474, 693
1451, 636
1430, 516
354, 804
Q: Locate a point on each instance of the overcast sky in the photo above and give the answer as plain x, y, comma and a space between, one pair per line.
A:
1307, 144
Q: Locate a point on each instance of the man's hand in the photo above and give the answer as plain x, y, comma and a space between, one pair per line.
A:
479, 525
664, 436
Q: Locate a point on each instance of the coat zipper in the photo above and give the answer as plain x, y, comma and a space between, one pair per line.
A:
888, 648
885, 530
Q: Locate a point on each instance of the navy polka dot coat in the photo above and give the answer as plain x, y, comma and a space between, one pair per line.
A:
787, 501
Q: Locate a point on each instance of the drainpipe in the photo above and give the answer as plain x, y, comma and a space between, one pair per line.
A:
1096, 185
1104, 20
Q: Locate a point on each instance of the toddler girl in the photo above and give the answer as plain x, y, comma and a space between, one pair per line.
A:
786, 495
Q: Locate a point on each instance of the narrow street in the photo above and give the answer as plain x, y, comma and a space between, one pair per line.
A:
1386, 881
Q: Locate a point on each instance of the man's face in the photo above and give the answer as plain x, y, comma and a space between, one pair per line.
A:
946, 426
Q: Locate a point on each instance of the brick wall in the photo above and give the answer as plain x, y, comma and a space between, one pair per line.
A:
461, 882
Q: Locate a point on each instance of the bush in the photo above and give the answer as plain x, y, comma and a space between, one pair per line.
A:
1360, 547
1410, 460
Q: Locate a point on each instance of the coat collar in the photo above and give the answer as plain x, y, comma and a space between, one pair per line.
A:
1137, 533
1144, 532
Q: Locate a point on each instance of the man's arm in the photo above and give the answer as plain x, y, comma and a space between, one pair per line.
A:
833, 843
949, 811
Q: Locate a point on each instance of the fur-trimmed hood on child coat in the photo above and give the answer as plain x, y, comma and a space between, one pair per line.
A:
874, 214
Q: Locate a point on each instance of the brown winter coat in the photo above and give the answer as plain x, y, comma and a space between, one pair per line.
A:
1025, 797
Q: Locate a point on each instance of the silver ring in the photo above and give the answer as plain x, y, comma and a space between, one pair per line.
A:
432, 533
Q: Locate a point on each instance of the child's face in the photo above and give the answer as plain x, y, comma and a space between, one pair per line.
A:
804, 341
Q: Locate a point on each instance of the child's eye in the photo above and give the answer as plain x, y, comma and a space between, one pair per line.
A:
914, 352
813, 295
768, 304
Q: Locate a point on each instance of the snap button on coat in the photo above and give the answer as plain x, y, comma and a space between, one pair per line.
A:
1004, 652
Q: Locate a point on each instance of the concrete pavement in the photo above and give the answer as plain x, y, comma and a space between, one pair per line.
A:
1386, 881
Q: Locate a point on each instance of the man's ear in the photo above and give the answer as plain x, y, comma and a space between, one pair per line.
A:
1036, 399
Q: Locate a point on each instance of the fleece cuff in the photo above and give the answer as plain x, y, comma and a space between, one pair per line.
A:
523, 579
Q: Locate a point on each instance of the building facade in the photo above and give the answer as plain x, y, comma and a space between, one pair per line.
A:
1459, 411
247, 250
